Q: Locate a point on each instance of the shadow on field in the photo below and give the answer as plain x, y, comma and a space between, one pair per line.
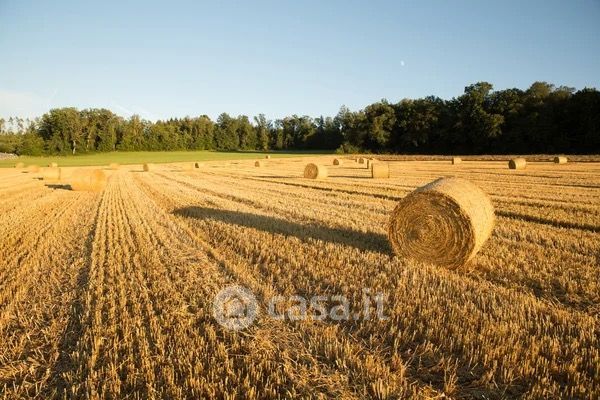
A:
277, 176
360, 240
58, 186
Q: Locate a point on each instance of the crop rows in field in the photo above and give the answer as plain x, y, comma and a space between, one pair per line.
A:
109, 295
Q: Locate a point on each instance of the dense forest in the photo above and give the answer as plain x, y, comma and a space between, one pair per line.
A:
541, 119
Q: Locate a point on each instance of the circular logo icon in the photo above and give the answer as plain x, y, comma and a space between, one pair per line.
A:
235, 307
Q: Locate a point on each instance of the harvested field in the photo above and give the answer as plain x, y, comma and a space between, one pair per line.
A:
109, 294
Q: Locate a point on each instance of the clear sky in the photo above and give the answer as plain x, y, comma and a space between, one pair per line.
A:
172, 59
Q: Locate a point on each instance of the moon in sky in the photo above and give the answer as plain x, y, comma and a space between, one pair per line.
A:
402, 63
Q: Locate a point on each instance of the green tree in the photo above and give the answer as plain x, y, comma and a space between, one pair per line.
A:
246, 133
262, 128
378, 124
62, 130
132, 134
475, 125
226, 134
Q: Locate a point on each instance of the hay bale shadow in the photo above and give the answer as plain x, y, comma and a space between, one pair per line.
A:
58, 186
363, 241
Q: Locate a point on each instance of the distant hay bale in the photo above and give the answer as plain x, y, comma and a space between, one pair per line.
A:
198, 165
33, 169
148, 167
88, 180
361, 160
445, 222
560, 160
53, 165
337, 161
456, 160
380, 170
517, 163
19, 165
114, 166
267, 156
258, 164
51, 174
314, 171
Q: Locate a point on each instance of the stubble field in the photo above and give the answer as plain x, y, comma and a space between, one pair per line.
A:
109, 295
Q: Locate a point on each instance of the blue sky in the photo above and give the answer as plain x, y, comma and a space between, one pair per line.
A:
172, 59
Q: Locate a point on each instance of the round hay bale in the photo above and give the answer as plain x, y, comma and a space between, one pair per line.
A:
517, 163
198, 165
148, 167
88, 180
19, 165
314, 171
53, 165
258, 163
445, 223
456, 160
560, 160
267, 156
337, 161
51, 173
361, 160
33, 169
114, 166
380, 170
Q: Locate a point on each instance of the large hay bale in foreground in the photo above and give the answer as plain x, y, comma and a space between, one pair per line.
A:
517, 163
148, 167
380, 170
337, 161
88, 180
33, 169
19, 165
456, 160
53, 165
258, 164
114, 166
444, 222
51, 174
560, 160
314, 171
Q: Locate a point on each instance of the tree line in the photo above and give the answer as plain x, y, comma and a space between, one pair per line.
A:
541, 119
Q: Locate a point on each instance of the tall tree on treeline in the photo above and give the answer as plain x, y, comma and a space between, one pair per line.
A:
297, 131
327, 134
417, 123
202, 133
132, 134
226, 134
377, 125
509, 104
246, 133
262, 127
475, 126
99, 129
583, 121
62, 130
